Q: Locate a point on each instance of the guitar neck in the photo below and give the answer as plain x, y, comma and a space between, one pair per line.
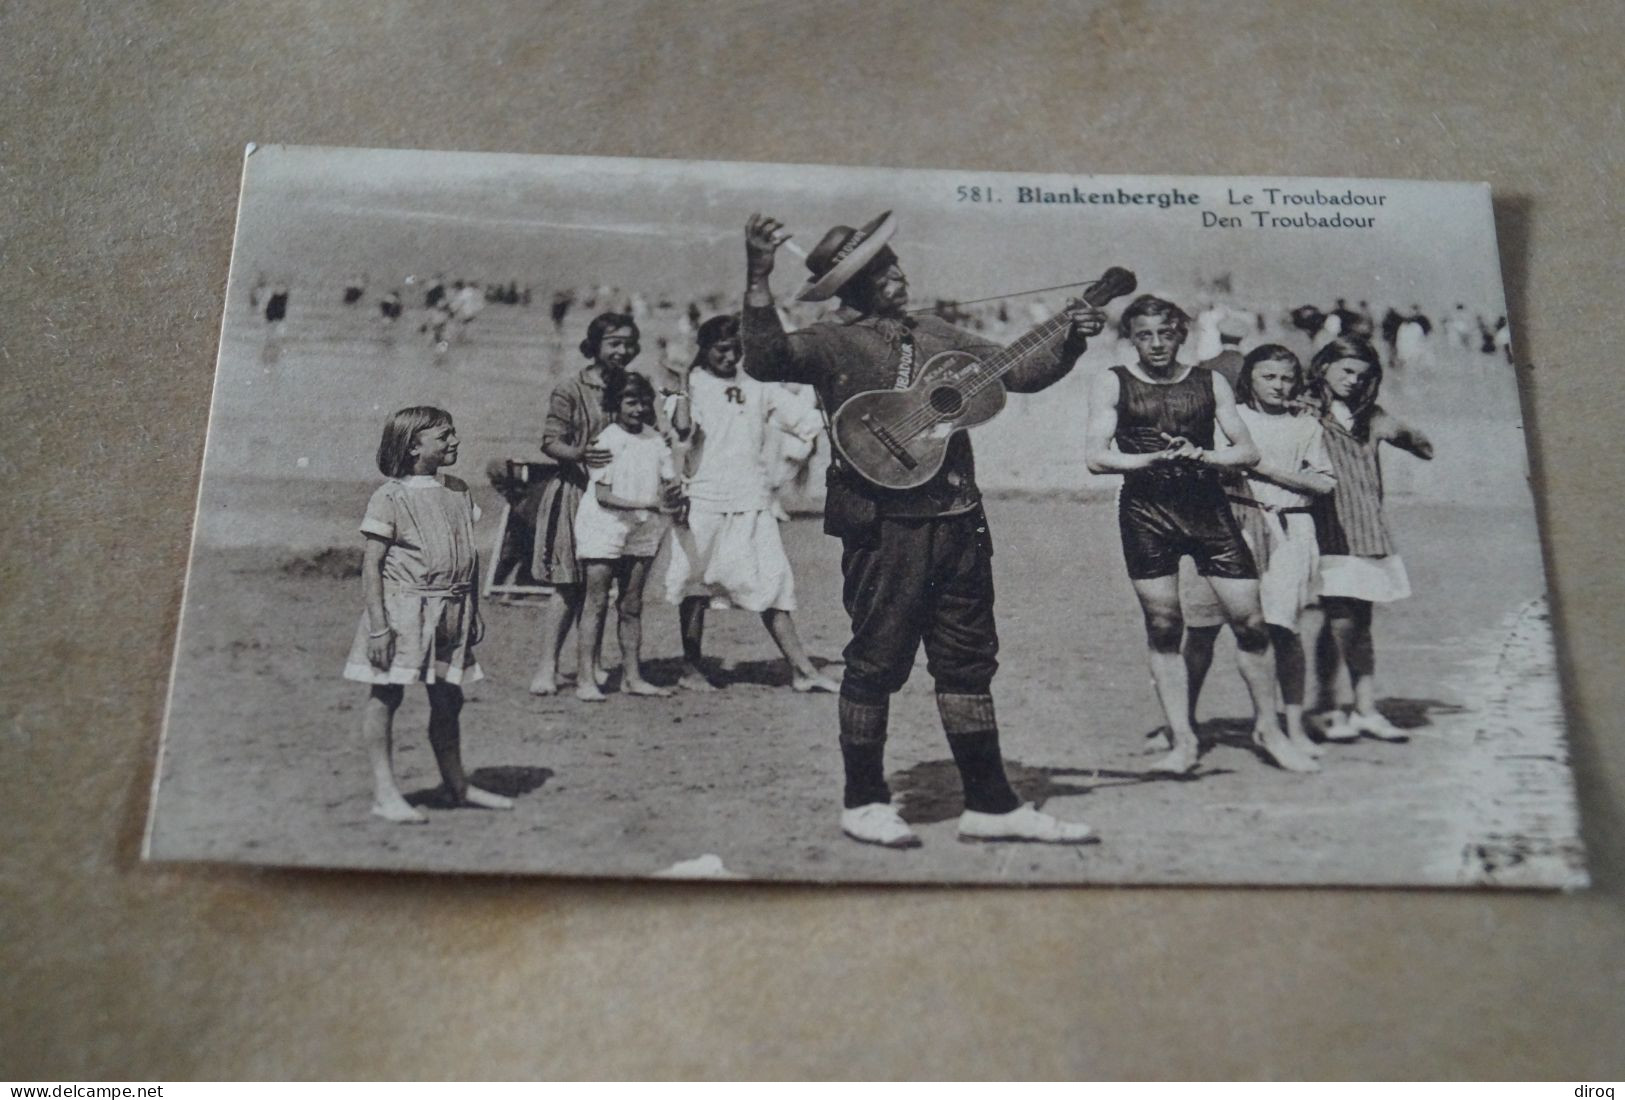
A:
996, 366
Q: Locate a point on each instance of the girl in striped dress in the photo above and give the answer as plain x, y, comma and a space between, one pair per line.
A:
1359, 566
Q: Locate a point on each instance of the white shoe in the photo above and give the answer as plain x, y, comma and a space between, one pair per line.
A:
1334, 726
878, 823
1026, 822
1375, 725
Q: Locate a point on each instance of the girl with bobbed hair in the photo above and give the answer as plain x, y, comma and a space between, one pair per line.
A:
575, 416
713, 331
599, 326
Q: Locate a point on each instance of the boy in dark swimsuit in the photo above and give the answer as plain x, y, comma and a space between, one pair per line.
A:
1162, 415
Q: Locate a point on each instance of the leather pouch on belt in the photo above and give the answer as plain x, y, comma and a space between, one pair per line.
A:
849, 510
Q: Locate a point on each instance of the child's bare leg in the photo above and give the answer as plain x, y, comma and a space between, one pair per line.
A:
1164, 631
1257, 666
601, 670
590, 634
562, 609
634, 574
804, 675
446, 739
691, 619
1289, 674
377, 729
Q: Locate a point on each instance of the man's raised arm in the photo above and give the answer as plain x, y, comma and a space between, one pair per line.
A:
769, 353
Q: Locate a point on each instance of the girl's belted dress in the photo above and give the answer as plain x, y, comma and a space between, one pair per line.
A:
429, 576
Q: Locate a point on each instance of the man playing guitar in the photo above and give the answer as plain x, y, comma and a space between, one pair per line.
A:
915, 562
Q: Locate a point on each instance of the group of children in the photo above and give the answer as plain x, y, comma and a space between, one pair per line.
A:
1298, 484
1312, 511
1309, 507
622, 486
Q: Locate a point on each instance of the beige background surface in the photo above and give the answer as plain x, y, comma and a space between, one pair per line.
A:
120, 137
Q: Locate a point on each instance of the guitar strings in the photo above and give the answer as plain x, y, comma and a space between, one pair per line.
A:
1011, 355
924, 419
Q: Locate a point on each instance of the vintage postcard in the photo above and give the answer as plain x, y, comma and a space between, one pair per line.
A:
785, 522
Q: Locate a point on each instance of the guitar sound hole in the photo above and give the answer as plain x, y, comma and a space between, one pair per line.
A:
947, 401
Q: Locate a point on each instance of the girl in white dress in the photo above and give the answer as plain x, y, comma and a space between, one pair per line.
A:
423, 618
1272, 502
728, 552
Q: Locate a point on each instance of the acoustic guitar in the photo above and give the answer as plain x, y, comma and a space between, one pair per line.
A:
898, 439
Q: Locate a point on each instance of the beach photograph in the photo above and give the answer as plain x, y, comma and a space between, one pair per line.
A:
441, 374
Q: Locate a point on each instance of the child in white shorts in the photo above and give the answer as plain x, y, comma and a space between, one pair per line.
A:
619, 528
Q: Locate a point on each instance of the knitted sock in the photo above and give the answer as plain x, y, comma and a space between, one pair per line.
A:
973, 738
863, 751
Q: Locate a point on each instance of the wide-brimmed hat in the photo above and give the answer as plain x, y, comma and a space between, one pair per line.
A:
843, 253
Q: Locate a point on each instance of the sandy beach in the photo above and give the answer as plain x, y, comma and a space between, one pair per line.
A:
264, 763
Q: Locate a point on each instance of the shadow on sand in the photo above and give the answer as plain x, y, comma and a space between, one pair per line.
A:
930, 791
775, 672
511, 781
1405, 714
1410, 714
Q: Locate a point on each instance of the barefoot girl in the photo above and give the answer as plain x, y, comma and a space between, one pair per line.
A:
576, 414
423, 618
1358, 565
729, 553
619, 528
1271, 502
